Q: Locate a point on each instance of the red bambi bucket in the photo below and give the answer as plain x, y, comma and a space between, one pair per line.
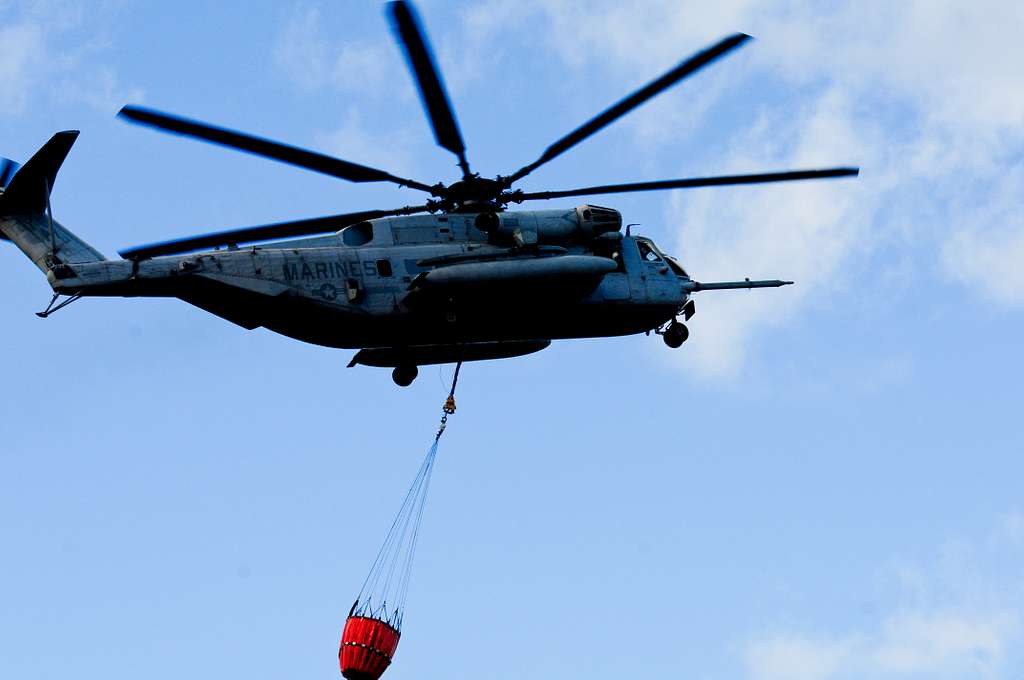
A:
367, 646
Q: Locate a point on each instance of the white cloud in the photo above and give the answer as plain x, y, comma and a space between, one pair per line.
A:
949, 644
800, 231
986, 248
35, 50
786, 657
958, 615
388, 149
312, 60
1012, 528
301, 49
958, 62
924, 95
99, 88
21, 58
943, 643
990, 258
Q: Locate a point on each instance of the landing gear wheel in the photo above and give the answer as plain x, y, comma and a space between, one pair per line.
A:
676, 334
404, 375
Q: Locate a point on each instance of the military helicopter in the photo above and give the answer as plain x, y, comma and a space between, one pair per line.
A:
458, 277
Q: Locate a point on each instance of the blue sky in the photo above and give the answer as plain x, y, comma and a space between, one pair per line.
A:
823, 483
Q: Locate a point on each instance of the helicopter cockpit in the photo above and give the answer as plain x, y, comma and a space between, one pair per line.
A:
650, 253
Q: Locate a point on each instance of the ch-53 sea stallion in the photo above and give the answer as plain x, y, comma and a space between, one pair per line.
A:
456, 278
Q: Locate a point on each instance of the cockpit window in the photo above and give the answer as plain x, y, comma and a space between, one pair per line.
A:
676, 268
648, 252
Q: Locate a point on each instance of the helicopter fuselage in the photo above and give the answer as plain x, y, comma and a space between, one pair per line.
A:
404, 290
371, 286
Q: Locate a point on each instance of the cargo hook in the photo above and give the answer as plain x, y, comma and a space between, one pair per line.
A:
449, 403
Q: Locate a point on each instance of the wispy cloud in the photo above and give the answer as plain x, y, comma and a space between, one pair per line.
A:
951, 644
796, 657
956, 616
20, 60
310, 59
371, 73
798, 231
38, 60
925, 96
391, 149
986, 248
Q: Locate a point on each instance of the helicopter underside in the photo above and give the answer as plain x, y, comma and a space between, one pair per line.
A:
333, 326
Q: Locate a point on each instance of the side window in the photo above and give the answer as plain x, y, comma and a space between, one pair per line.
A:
384, 267
611, 250
619, 260
358, 234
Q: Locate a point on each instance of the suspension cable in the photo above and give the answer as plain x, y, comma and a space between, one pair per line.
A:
391, 570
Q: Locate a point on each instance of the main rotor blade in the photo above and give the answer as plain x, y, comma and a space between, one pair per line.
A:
316, 225
310, 160
409, 30
686, 68
725, 180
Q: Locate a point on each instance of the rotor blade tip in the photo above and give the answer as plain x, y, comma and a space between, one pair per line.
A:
737, 40
129, 111
398, 9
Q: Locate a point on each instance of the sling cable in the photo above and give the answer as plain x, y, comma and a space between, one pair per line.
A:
374, 624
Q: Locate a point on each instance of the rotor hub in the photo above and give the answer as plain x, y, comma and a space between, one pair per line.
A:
473, 194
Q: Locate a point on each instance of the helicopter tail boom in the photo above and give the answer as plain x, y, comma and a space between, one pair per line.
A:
26, 219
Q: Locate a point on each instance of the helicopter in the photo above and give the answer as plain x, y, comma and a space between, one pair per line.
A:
459, 277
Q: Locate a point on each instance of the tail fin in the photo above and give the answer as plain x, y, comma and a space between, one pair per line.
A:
25, 210
29, 190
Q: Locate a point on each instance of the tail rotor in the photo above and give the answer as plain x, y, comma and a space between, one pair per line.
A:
7, 170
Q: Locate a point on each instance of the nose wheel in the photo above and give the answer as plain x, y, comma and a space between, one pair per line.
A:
404, 375
676, 334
